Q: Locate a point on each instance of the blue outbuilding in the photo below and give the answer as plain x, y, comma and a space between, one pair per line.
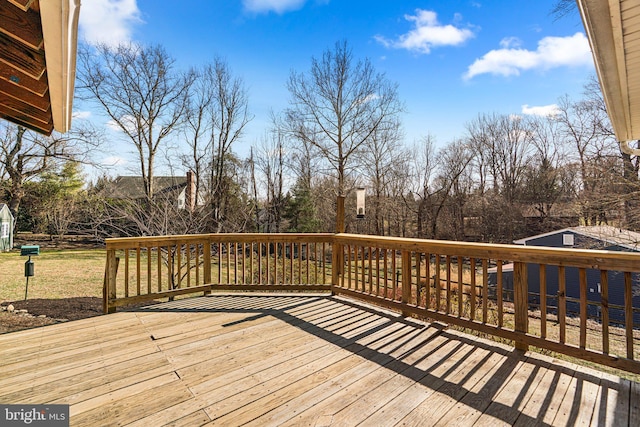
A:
600, 237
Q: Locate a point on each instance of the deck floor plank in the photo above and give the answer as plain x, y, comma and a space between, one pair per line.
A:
483, 383
634, 399
387, 358
538, 403
375, 406
282, 389
507, 404
616, 404
53, 347
296, 360
308, 367
467, 365
128, 408
464, 367
351, 395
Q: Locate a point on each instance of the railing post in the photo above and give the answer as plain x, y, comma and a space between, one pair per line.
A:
206, 255
340, 227
521, 303
109, 286
337, 261
406, 280
338, 249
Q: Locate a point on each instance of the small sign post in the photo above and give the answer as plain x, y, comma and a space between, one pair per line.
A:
29, 270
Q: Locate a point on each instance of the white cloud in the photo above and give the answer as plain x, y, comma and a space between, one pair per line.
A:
369, 98
541, 110
114, 161
128, 121
510, 43
81, 114
428, 33
108, 21
277, 6
552, 52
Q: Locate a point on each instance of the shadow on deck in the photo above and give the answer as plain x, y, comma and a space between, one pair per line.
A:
297, 360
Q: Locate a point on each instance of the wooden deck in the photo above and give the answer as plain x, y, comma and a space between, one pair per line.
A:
296, 360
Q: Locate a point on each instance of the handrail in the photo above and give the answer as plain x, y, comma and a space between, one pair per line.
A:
467, 284
426, 272
167, 266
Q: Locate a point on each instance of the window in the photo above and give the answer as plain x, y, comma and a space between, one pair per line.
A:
5, 230
567, 239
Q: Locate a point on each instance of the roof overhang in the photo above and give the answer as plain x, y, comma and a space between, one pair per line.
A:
613, 29
60, 31
38, 44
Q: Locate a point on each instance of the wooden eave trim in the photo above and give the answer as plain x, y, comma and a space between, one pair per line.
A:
14, 76
23, 4
29, 61
24, 121
26, 110
20, 93
23, 26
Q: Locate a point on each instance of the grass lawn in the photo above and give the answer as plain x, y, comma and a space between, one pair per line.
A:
58, 274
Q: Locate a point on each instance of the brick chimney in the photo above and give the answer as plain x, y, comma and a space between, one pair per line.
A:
190, 196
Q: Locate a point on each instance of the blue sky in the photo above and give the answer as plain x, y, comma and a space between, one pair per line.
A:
451, 59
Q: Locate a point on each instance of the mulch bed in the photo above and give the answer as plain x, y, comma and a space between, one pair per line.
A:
65, 308
42, 312
53, 311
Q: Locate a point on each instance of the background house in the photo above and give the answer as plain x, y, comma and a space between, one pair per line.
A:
179, 189
600, 237
6, 228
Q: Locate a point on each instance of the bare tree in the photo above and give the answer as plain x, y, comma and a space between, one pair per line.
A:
438, 180
338, 105
504, 146
564, 8
270, 162
140, 90
424, 168
382, 156
217, 115
198, 128
455, 170
595, 155
630, 179
25, 155
544, 172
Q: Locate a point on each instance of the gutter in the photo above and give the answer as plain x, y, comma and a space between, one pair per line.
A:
60, 33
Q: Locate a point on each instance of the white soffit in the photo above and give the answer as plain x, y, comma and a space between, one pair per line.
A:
613, 29
60, 34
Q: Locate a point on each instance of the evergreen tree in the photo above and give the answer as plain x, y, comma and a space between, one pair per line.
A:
300, 210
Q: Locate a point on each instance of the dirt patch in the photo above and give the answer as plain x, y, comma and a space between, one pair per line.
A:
42, 312
65, 308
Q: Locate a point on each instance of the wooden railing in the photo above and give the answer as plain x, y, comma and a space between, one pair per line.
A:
147, 268
483, 287
451, 282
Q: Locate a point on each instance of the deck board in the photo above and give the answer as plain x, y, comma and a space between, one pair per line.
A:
315, 360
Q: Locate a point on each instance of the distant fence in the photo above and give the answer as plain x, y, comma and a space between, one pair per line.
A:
443, 281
